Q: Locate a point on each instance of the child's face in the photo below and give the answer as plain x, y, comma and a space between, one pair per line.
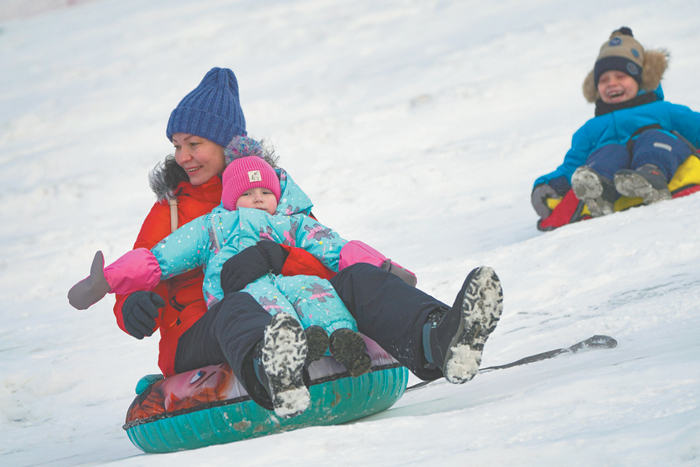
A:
202, 159
258, 198
617, 86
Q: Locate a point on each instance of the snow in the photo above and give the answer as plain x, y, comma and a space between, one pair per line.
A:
416, 126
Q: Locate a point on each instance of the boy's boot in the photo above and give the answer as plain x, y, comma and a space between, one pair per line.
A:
349, 349
317, 342
453, 340
597, 192
279, 364
646, 182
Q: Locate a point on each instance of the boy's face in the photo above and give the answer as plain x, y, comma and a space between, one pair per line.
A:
617, 86
258, 198
202, 159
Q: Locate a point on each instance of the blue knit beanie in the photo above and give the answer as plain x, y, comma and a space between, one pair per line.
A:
212, 110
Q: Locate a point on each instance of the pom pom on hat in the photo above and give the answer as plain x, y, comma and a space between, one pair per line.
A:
212, 110
242, 146
245, 173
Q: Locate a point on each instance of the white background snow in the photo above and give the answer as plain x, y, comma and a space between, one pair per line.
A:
416, 126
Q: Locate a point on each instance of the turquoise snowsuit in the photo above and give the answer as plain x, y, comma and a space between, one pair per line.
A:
617, 127
210, 240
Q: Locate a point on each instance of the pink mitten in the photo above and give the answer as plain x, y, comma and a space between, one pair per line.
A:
356, 251
136, 270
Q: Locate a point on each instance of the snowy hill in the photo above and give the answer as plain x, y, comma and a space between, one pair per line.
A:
416, 126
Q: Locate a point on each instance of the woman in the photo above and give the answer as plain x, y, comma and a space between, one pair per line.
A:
188, 185
267, 353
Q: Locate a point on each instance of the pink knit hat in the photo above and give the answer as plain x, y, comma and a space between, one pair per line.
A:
245, 173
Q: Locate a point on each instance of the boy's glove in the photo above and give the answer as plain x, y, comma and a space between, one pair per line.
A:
251, 264
539, 199
139, 312
555, 188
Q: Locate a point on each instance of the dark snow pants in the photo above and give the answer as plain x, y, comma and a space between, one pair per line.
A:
227, 333
390, 312
658, 147
387, 310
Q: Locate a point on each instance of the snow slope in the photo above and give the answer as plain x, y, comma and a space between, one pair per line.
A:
416, 126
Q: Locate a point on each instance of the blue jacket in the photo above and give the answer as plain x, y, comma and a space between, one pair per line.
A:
210, 240
619, 125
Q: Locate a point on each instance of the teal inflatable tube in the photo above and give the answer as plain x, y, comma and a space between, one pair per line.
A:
208, 406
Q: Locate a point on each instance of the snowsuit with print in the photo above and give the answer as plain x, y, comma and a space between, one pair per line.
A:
210, 240
184, 304
616, 138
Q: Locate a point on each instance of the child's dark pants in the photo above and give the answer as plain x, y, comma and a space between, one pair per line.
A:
658, 147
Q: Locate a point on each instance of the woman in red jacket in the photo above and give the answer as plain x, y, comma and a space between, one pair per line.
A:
267, 353
188, 185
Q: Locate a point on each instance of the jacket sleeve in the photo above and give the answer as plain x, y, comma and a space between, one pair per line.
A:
155, 227
301, 262
185, 249
321, 241
575, 157
686, 122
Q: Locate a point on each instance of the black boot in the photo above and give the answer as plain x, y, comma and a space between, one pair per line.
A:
349, 349
279, 365
317, 341
454, 340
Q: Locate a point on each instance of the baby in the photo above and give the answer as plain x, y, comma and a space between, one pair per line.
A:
636, 141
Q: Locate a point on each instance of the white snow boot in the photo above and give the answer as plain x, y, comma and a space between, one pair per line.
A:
597, 192
646, 182
283, 354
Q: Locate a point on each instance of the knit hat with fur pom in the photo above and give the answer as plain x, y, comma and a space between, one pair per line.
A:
212, 110
245, 173
624, 53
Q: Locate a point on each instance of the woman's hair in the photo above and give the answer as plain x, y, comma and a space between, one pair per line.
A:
269, 153
165, 177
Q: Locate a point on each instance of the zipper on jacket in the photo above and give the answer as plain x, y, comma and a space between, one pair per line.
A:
216, 237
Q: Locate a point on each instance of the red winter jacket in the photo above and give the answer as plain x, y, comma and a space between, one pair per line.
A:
184, 303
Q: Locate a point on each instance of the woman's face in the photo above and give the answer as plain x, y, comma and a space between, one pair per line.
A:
202, 159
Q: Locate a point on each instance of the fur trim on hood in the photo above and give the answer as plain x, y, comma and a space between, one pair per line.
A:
655, 64
165, 177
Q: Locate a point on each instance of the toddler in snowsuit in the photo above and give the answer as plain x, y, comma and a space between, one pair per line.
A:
636, 141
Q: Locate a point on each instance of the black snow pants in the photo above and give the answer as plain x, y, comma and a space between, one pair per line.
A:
390, 312
387, 310
227, 333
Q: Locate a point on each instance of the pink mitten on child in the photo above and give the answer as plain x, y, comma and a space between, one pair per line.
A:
356, 251
136, 270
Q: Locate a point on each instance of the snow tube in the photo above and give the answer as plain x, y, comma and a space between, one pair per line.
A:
209, 406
